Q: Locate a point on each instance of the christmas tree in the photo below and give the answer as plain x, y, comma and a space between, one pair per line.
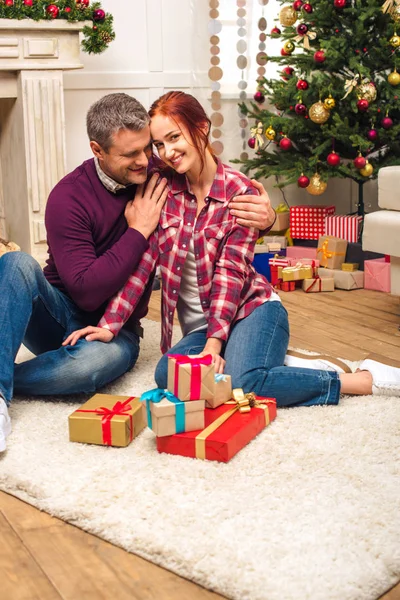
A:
335, 110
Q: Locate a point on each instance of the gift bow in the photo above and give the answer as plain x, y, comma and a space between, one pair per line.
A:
327, 254
242, 403
119, 408
389, 5
282, 208
307, 37
256, 133
156, 395
196, 362
350, 84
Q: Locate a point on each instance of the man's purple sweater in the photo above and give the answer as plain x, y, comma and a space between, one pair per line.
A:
92, 251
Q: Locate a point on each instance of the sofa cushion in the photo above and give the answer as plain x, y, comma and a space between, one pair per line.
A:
389, 188
382, 232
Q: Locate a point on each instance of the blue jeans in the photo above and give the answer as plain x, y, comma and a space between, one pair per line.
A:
37, 314
254, 354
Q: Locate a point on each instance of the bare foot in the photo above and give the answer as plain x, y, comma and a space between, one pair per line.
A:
359, 383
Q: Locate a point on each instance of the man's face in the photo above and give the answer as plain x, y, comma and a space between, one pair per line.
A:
127, 158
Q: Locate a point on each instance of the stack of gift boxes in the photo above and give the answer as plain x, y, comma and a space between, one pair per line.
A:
198, 416
338, 261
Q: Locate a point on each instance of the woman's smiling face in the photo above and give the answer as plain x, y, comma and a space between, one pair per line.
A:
174, 144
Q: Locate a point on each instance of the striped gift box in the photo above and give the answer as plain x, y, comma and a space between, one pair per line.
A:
346, 227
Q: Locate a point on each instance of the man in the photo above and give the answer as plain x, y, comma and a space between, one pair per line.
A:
98, 221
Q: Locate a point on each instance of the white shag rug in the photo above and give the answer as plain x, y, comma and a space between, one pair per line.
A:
308, 510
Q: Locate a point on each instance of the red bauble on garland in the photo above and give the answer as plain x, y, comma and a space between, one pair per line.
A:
284, 53
302, 29
387, 123
303, 181
363, 105
308, 8
359, 162
287, 72
300, 109
372, 135
275, 31
259, 97
99, 15
319, 56
302, 84
83, 2
67, 9
333, 159
297, 4
285, 144
28, 2
9, 2
52, 10
252, 142
339, 3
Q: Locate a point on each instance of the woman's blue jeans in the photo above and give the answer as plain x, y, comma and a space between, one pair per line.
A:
35, 313
254, 355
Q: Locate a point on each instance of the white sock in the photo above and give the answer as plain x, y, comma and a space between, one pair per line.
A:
5, 424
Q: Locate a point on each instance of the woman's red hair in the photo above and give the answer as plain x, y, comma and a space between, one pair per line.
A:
186, 110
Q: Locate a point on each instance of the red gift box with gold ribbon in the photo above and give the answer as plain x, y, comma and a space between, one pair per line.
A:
228, 429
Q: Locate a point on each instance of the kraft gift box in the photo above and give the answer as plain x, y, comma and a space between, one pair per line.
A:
377, 275
331, 251
167, 415
276, 239
222, 390
191, 377
316, 284
227, 430
107, 420
344, 280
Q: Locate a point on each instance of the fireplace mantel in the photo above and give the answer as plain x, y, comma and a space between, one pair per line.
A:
33, 56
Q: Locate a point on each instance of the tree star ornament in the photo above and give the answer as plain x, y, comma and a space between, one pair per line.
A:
287, 16
256, 133
316, 186
318, 113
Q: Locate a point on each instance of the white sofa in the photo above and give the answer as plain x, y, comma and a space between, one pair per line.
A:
382, 228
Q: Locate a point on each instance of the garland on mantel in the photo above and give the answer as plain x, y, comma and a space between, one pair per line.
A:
96, 38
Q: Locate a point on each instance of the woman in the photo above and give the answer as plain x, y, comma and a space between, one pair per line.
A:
224, 307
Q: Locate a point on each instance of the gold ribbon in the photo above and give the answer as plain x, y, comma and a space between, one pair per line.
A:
389, 5
307, 38
327, 254
282, 208
350, 84
256, 133
243, 403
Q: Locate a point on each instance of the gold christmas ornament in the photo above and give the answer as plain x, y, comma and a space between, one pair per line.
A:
394, 78
316, 187
367, 170
395, 40
395, 14
270, 133
318, 113
288, 47
287, 16
329, 102
366, 91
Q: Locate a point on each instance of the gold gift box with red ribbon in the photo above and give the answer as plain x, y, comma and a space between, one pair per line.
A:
228, 429
331, 251
107, 420
295, 273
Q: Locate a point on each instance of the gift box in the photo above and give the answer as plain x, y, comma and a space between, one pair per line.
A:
261, 262
331, 251
282, 217
300, 252
295, 273
308, 221
350, 266
191, 377
274, 264
107, 420
346, 227
222, 390
228, 429
285, 286
344, 280
277, 239
316, 284
377, 275
355, 254
273, 246
167, 415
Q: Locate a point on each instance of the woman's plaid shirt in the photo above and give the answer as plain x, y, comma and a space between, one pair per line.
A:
229, 287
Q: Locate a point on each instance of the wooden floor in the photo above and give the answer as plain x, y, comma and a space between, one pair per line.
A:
43, 558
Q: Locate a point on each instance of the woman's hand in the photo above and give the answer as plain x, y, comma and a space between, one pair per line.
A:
90, 334
214, 346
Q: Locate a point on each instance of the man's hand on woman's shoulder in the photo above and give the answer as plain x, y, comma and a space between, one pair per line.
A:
253, 211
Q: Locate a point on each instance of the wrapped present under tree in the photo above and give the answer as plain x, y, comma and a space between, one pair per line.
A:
167, 415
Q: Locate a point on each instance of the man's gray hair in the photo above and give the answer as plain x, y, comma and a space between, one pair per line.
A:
112, 113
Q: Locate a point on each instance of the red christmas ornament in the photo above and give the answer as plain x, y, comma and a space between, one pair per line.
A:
28, 2
303, 181
333, 159
363, 105
99, 15
319, 56
9, 2
67, 9
52, 10
300, 109
252, 142
302, 84
339, 3
307, 7
275, 30
83, 2
387, 123
285, 144
372, 135
284, 53
287, 72
259, 97
359, 162
302, 29
297, 4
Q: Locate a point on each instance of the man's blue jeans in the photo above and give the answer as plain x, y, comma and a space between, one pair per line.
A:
35, 313
254, 354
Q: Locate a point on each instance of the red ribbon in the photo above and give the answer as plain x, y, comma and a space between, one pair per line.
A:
119, 408
310, 287
195, 381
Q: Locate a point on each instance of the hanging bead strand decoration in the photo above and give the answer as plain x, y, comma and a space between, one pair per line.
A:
241, 62
215, 74
261, 57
